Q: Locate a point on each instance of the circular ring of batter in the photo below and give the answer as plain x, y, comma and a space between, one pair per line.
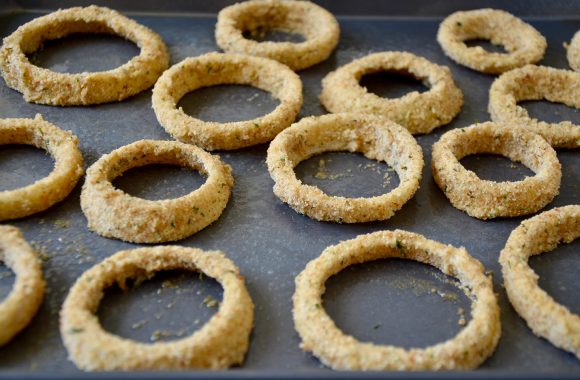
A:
43, 86
113, 213
546, 317
219, 344
467, 350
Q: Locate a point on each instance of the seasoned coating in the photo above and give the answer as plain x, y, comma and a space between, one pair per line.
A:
542, 233
537, 83
213, 69
113, 213
68, 166
318, 27
523, 43
43, 86
467, 350
485, 199
418, 112
378, 139
20, 306
573, 52
219, 344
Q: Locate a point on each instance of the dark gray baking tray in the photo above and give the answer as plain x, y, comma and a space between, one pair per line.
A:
388, 301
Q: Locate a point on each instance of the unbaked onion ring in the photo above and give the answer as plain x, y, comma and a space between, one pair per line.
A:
20, 306
537, 83
68, 166
573, 52
214, 69
418, 112
378, 139
467, 350
522, 41
314, 23
219, 344
113, 213
40, 85
536, 235
485, 199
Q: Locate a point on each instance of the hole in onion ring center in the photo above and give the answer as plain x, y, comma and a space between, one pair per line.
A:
157, 181
559, 270
347, 174
392, 84
486, 45
262, 34
551, 112
7, 278
497, 168
22, 165
398, 302
77, 53
227, 103
172, 305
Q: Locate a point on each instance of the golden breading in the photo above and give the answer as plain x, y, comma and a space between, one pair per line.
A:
214, 69
573, 52
219, 344
523, 43
537, 83
377, 138
40, 85
68, 166
546, 317
20, 306
318, 26
485, 199
418, 112
113, 213
467, 350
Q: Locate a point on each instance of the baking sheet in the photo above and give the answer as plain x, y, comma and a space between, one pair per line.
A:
389, 301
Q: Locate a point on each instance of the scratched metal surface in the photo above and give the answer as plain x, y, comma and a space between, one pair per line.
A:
389, 301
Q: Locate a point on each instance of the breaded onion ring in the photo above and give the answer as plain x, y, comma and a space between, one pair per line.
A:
573, 52
537, 83
485, 199
536, 235
522, 41
418, 112
113, 213
219, 344
467, 350
378, 139
314, 23
39, 85
213, 69
18, 309
68, 166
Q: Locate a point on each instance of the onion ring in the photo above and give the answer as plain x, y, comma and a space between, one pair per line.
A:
537, 83
467, 350
489, 199
419, 112
214, 69
18, 309
68, 167
378, 139
522, 41
544, 316
318, 26
113, 213
573, 52
43, 86
219, 344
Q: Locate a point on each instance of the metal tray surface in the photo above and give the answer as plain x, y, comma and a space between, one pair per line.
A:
388, 301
